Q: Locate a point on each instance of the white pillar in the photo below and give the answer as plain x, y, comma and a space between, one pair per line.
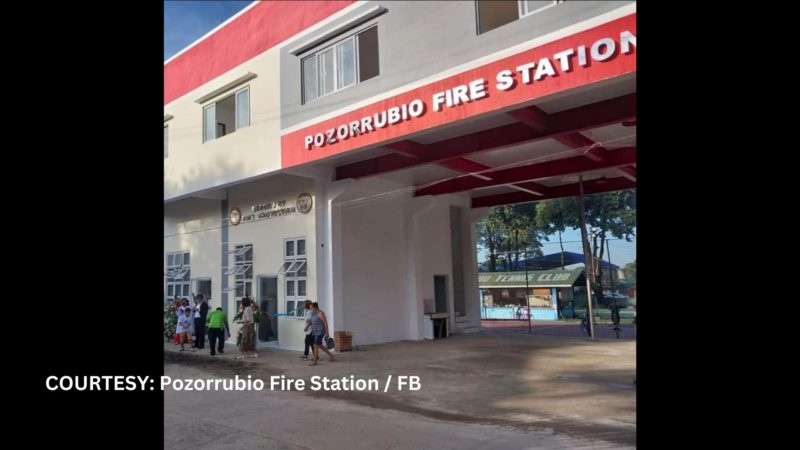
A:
415, 208
329, 253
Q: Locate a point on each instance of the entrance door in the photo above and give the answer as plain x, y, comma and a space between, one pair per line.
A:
268, 303
440, 293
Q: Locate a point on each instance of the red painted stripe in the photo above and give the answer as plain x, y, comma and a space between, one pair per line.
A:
249, 35
293, 151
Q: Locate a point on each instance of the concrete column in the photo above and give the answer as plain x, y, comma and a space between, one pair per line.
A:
415, 310
328, 251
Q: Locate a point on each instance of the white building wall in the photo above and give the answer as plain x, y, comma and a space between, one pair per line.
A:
472, 320
193, 165
373, 265
194, 225
390, 247
267, 237
434, 256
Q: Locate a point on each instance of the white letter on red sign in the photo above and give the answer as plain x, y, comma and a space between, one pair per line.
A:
505, 80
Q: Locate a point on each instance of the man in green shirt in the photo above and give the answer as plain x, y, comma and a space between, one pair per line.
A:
217, 329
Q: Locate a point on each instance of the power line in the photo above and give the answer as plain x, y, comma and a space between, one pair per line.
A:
368, 200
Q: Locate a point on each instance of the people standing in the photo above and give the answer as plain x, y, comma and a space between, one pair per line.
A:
218, 330
181, 308
200, 316
319, 329
309, 342
247, 345
185, 324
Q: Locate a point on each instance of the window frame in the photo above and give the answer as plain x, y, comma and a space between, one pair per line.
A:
197, 282
237, 126
521, 13
293, 276
239, 271
353, 37
171, 278
522, 6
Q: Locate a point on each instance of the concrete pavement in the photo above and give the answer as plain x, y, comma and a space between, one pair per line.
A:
541, 387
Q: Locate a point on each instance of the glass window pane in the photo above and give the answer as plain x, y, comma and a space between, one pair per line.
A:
301, 270
290, 308
209, 123
248, 254
289, 248
301, 247
248, 289
327, 72
310, 78
243, 108
225, 116
170, 290
248, 274
204, 286
239, 254
170, 260
533, 6
368, 61
346, 63
301, 288
239, 290
283, 268
186, 259
492, 14
290, 288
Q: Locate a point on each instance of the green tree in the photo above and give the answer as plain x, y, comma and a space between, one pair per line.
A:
553, 217
512, 228
611, 214
491, 234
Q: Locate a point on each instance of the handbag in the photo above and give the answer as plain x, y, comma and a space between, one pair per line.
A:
329, 342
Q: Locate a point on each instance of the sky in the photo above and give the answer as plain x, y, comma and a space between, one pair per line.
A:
622, 252
186, 21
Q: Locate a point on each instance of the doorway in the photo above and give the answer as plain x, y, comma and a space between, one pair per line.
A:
268, 303
440, 293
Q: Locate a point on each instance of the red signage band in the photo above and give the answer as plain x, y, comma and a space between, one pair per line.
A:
599, 53
251, 34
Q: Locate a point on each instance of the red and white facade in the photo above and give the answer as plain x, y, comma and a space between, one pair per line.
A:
384, 178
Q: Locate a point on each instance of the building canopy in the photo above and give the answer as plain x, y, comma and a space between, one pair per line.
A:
536, 278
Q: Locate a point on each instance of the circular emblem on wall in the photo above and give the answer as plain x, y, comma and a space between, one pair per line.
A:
304, 203
235, 216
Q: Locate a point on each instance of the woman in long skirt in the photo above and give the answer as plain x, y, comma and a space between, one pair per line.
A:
248, 343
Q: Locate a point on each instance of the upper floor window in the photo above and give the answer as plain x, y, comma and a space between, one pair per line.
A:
348, 62
227, 115
493, 14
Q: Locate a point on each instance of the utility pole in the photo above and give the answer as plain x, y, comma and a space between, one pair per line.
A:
527, 289
587, 258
